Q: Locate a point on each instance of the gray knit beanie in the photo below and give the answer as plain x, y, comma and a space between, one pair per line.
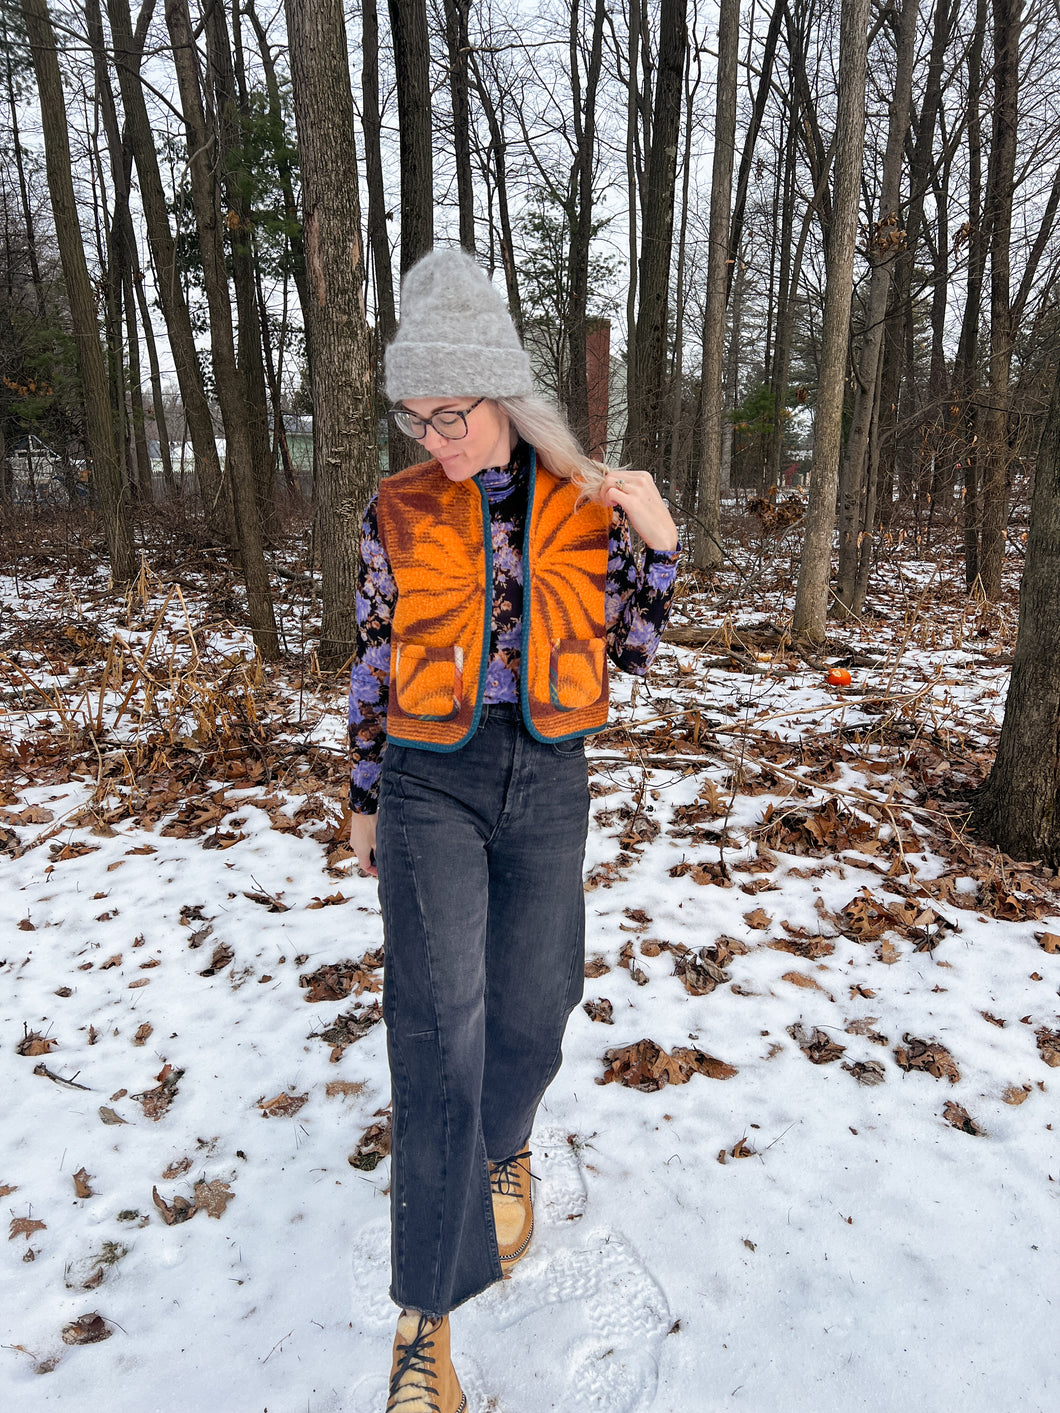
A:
456, 337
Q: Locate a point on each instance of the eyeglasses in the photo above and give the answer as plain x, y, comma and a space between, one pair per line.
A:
450, 425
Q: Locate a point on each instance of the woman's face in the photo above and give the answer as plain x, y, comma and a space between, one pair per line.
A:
489, 439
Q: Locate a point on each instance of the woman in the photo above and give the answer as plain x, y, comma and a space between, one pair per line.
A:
495, 579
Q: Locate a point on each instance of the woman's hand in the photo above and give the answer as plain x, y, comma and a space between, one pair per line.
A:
362, 839
638, 495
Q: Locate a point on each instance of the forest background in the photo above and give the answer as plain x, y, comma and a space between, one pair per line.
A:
866, 286
819, 244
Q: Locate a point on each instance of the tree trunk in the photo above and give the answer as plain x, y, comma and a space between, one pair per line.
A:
457, 43
100, 440
20, 166
885, 243
215, 493
965, 371
408, 28
811, 598
158, 411
498, 148
576, 392
378, 239
647, 401
1019, 807
708, 500
239, 224
765, 78
1000, 187
343, 422
203, 160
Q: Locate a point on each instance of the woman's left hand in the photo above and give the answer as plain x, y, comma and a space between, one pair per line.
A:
638, 495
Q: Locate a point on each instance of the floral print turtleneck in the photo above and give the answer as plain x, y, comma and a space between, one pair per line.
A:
638, 599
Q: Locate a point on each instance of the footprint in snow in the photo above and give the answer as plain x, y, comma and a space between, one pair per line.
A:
580, 1325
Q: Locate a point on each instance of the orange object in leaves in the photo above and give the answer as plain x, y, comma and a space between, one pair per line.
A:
839, 677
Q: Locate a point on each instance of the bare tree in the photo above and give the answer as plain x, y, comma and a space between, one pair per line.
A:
648, 363
857, 489
719, 265
204, 160
458, 44
811, 599
1019, 807
100, 438
344, 438
1000, 188
408, 26
128, 50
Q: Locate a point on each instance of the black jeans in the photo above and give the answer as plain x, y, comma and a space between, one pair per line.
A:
480, 879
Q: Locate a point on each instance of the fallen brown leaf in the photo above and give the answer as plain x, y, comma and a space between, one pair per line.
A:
1016, 1094
336, 980
758, 919
213, 1197
143, 1033
82, 1184
176, 1169
600, 1010
700, 975
373, 1146
282, 1106
156, 1101
344, 1088
86, 1329
222, 955
332, 901
268, 901
864, 1026
808, 983
818, 1047
929, 1056
345, 1029
647, 1066
110, 1117
959, 1117
180, 1210
33, 1044
1049, 1045
812, 949
25, 1226
698, 1062
866, 1072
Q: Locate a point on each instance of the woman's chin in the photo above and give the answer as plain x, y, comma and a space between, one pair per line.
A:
456, 469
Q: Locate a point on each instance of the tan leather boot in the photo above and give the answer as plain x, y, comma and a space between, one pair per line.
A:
422, 1378
513, 1208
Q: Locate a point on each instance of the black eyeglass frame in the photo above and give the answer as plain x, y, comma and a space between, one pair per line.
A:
406, 422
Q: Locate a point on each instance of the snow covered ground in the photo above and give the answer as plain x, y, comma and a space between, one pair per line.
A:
174, 1157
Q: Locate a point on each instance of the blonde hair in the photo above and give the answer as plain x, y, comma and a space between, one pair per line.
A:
543, 427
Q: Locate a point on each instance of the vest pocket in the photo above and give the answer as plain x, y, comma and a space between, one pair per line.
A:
428, 682
576, 673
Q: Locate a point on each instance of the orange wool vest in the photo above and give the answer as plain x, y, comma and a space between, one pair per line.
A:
436, 533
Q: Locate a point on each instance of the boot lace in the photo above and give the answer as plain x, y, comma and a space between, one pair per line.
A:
506, 1178
415, 1360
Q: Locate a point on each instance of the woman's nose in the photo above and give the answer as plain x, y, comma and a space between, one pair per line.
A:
431, 440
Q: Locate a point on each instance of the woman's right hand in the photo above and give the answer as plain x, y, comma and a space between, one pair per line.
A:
362, 840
